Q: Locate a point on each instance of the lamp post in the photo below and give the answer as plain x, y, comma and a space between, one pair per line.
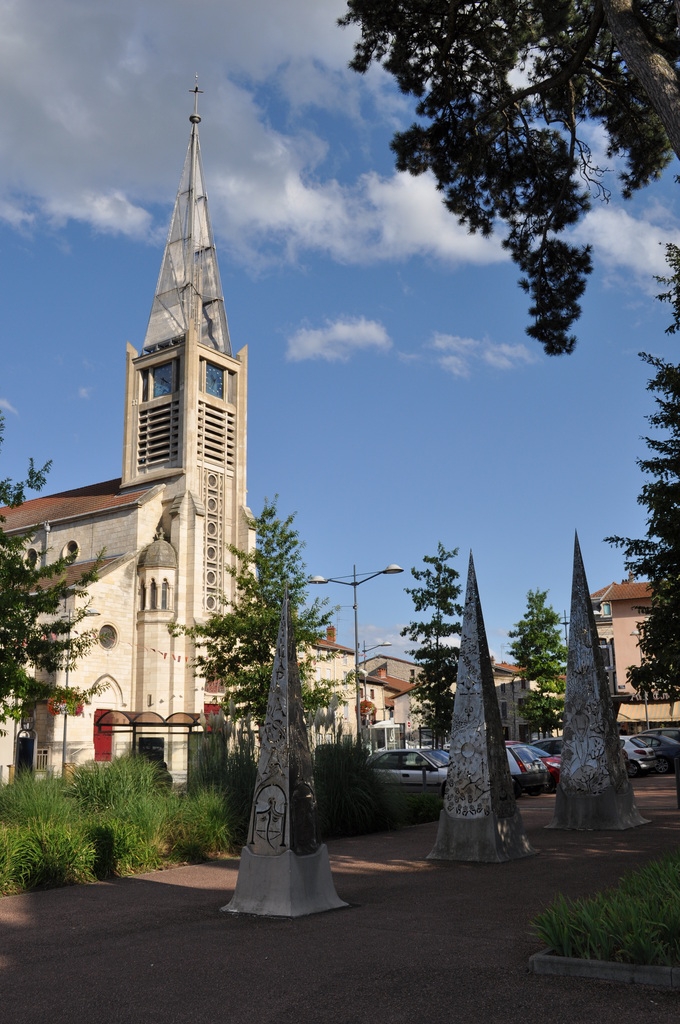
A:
354, 582
365, 650
88, 611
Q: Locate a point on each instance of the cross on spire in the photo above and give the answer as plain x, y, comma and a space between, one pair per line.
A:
194, 118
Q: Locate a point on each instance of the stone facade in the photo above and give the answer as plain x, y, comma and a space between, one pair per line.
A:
165, 527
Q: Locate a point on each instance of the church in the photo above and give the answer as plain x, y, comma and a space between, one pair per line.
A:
163, 528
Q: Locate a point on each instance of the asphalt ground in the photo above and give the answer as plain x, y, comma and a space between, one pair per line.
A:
421, 941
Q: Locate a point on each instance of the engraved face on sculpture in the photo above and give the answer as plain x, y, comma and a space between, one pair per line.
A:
269, 820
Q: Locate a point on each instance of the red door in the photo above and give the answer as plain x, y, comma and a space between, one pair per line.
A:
103, 737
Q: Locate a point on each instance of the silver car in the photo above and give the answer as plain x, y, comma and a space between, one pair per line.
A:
418, 771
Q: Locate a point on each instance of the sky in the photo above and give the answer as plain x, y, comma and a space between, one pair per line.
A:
395, 400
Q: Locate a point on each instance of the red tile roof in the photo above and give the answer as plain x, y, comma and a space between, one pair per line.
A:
391, 682
68, 504
330, 645
627, 590
75, 571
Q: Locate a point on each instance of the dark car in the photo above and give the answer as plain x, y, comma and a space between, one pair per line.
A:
667, 732
418, 771
529, 774
551, 744
553, 763
665, 748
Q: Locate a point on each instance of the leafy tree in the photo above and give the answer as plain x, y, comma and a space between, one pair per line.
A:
656, 557
33, 631
504, 90
236, 646
541, 655
435, 654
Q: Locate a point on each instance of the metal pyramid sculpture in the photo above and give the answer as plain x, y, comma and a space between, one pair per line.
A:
189, 287
284, 870
593, 791
479, 821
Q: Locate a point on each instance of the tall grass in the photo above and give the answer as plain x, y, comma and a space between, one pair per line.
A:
226, 764
353, 798
100, 786
30, 799
637, 922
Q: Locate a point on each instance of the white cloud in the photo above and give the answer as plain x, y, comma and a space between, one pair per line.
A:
338, 340
112, 213
630, 245
4, 404
458, 355
84, 392
95, 114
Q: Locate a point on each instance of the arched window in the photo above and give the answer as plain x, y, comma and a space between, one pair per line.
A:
152, 595
32, 557
165, 595
142, 596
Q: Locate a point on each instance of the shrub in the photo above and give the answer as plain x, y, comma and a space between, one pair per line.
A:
352, 797
422, 807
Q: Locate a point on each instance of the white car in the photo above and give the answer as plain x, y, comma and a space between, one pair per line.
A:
640, 755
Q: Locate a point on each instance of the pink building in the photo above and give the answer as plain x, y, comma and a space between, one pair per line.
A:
618, 612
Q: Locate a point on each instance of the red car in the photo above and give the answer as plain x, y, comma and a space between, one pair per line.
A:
551, 761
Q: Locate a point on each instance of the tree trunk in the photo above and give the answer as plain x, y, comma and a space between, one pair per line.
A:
652, 69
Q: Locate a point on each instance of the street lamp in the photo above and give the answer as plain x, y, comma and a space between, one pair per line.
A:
89, 612
354, 582
365, 650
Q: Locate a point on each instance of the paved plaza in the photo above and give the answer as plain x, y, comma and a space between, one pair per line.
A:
421, 941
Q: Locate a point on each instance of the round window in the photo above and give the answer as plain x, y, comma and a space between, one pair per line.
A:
108, 637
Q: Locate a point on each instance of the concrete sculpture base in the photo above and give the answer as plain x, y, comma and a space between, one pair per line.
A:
597, 811
487, 840
287, 885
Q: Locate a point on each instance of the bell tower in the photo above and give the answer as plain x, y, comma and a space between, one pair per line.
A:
185, 403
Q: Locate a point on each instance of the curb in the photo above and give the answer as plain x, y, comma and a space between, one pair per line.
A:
547, 962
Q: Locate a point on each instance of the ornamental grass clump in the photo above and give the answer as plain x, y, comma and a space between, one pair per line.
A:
636, 922
52, 854
352, 797
226, 763
107, 785
30, 799
202, 827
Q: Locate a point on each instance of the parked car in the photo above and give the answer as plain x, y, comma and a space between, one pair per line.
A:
553, 763
551, 744
670, 732
418, 770
529, 774
665, 748
641, 756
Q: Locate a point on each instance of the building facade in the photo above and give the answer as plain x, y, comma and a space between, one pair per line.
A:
163, 529
619, 610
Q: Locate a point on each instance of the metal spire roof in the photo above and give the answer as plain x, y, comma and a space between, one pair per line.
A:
189, 282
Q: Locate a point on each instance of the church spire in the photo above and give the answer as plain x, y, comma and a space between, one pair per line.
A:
189, 287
